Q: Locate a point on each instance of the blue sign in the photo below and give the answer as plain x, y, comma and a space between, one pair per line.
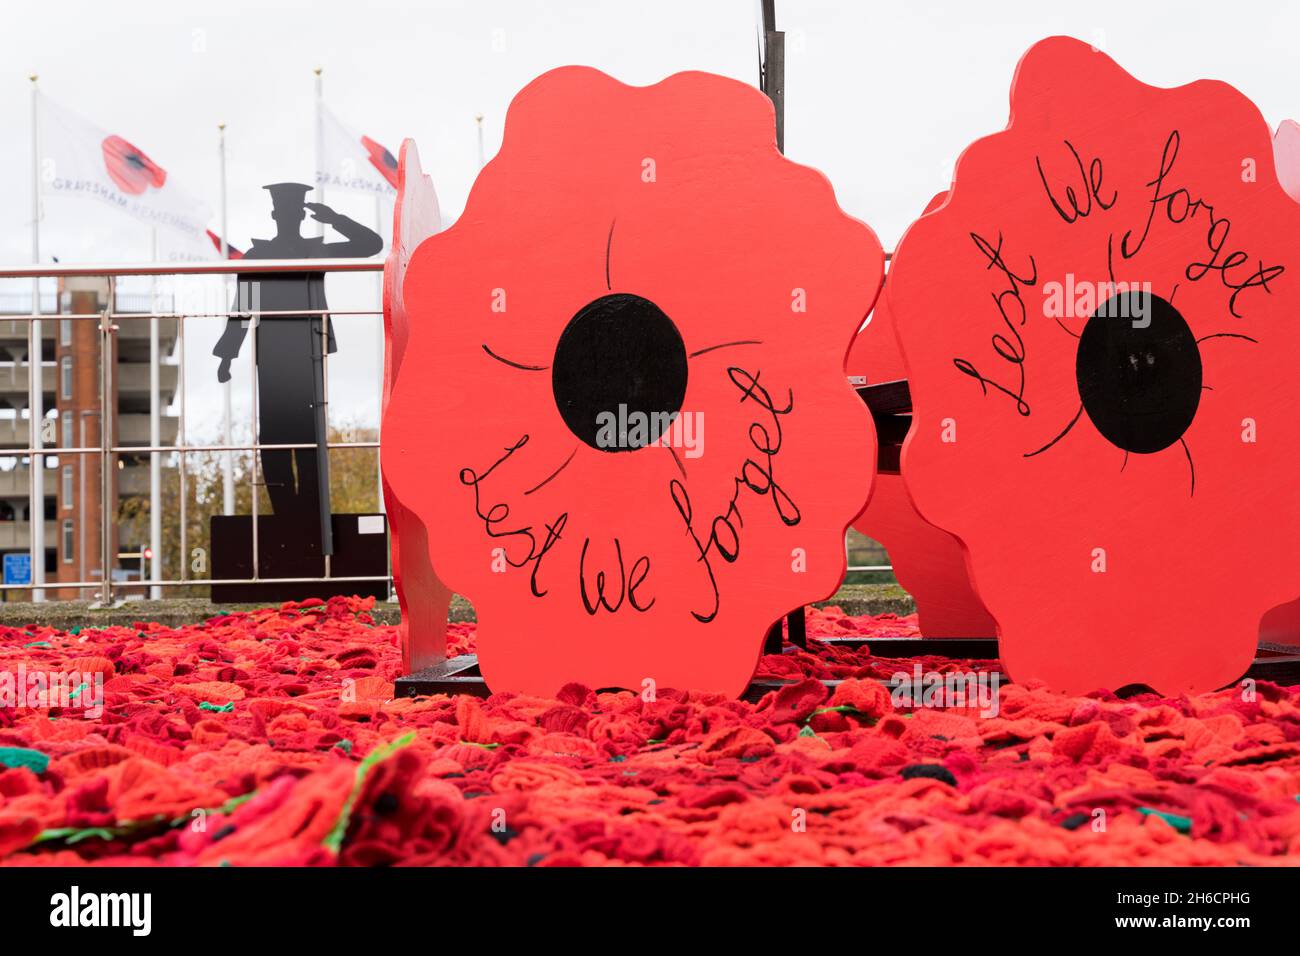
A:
18, 568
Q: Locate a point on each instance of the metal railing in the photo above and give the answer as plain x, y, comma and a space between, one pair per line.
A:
12, 302
107, 451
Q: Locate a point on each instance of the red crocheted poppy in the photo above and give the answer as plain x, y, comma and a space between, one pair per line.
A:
622, 413
1100, 332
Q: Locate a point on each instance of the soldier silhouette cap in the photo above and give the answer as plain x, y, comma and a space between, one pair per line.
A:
288, 195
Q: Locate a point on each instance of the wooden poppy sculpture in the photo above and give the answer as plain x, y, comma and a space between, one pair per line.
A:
1282, 624
622, 413
928, 563
423, 597
1100, 333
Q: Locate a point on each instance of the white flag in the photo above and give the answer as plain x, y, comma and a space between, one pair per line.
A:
78, 159
349, 161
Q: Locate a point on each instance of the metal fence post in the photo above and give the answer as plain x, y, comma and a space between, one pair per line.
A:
180, 455
35, 441
323, 444
107, 356
254, 310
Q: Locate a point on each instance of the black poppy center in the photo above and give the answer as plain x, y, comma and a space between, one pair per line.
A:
619, 374
1139, 372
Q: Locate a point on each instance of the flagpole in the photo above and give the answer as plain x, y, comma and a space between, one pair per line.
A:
155, 432
227, 458
479, 120
36, 398
320, 147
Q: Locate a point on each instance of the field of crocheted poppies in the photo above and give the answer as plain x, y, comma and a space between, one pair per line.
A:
272, 737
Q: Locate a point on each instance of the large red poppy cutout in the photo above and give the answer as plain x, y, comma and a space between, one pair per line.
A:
130, 168
1100, 332
622, 413
928, 563
1282, 624
424, 598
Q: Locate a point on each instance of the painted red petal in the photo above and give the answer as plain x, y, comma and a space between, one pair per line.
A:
1188, 569
655, 194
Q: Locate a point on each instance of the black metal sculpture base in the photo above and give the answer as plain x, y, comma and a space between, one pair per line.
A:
285, 551
1278, 663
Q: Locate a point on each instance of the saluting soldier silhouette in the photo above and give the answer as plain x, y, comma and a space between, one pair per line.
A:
290, 360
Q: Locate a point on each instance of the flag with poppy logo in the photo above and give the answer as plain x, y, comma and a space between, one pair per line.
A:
80, 160
349, 161
231, 251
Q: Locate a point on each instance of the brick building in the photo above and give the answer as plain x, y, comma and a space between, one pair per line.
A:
71, 386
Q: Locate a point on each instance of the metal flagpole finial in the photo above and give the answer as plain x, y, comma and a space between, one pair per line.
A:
318, 70
222, 127
33, 77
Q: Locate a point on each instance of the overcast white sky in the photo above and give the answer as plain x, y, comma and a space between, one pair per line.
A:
881, 97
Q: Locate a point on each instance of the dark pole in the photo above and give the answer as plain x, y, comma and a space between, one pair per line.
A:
773, 71
772, 83
320, 349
